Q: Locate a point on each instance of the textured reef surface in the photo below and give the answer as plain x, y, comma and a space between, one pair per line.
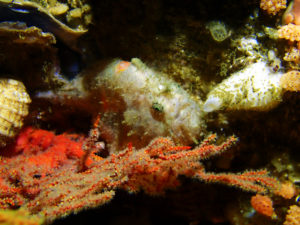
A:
150, 112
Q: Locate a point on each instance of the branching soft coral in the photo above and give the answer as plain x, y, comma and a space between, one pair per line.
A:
42, 174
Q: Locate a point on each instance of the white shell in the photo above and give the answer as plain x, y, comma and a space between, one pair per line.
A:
256, 87
14, 103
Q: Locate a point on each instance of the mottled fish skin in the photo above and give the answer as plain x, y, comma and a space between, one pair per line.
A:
34, 15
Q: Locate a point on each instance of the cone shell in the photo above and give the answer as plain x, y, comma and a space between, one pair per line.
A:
14, 103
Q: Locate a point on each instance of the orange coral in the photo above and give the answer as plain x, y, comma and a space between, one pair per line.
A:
44, 149
272, 6
286, 190
36, 155
263, 205
153, 169
61, 187
290, 81
292, 55
292, 14
293, 216
290, 32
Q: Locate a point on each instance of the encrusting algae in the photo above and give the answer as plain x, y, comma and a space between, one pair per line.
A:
19, 217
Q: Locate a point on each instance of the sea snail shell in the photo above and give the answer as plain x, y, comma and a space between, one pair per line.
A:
14, 104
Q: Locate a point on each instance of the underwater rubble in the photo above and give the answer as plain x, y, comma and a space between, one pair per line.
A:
149, 112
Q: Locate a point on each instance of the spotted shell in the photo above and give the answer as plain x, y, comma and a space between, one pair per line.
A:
14, 104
